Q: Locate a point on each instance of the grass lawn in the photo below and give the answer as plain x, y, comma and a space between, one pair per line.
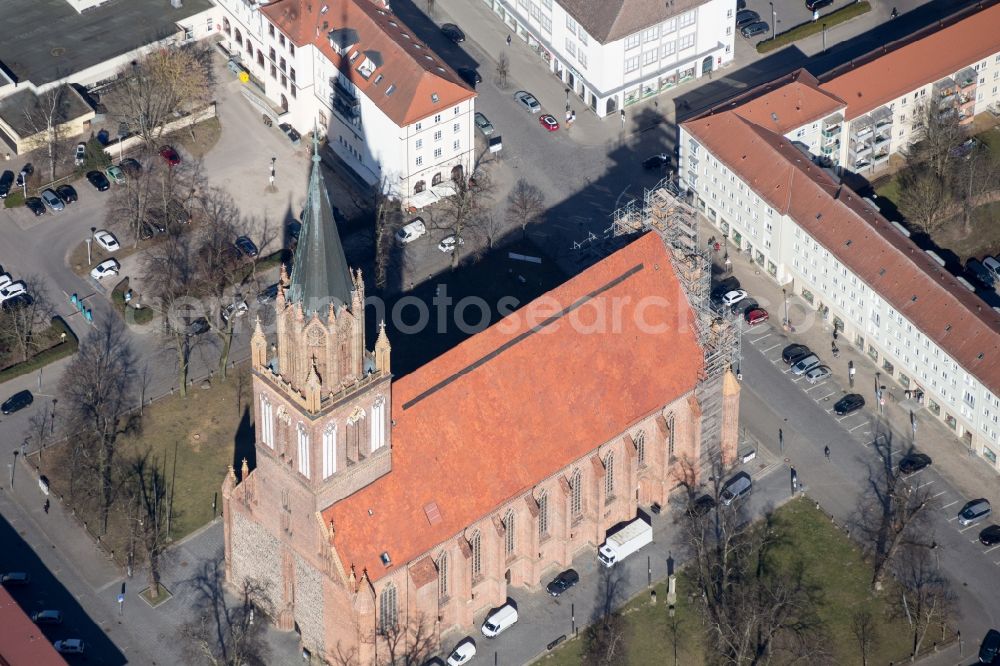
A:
53, 343
197, 439
199, 138
832, 563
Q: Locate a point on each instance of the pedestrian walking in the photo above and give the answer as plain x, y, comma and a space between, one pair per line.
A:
850, 372
45, 506
826, 452
508, 40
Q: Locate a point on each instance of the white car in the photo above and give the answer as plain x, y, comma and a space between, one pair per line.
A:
449, 243
463, 653
105, 268
528, 101
733, 297
412, 231
12, 290
81, 154
69, 646
5, 279
107, 240
817, 374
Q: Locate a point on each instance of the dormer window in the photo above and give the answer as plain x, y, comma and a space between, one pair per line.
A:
435, 98
354, 56
377, 79
366, 68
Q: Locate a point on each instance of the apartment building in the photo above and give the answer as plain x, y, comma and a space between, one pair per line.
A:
750, 166
615, 53
391, 109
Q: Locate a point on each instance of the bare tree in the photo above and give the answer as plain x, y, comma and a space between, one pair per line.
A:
21, 321
466, 209
926, 599
525, 205
161, 84
46, 114
407, 643
936, 132
977, 176
492, 228
892, 513
604, 639
502, 71
146, 482
224, 634
381, 234
865, 632
96, 390
925, 197
430, 7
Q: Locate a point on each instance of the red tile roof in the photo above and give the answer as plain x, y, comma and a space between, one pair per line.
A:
514, 404
838, 218
415, 73
918, 63
22, 643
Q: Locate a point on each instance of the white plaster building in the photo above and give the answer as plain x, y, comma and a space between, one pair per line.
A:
391, 109
613, 53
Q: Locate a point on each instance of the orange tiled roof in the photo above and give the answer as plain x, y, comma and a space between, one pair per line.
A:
415, 73
922, 61
839, 219
21, 641
519, 401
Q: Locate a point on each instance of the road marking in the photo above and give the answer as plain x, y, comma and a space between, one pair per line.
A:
815, 386
924, 485
756, 340
857, 426
942, 493
966, 528
949, 504
990, 550
770, 348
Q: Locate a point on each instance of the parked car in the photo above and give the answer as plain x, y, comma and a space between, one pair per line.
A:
993, 266
914, 462
745, 306
16, 403
69, 646
131, 166
413, 230
805, 364
549, 122
52, 200
794, 353
746, 17
172, 157
817, 374
851, 402
234, 310
563, 582
470, 76
660, 161
246, 246
47, 617
5, 279
733, 297
6, 180
814, 5
453, 32
198, 326
701, 506
528, 101
990, 536
976, 268
738, 486
290, 132
115, 174
35, 205
67, 193
754, 29
989, 649
16, 577
106, 240
483, 123
105, 268
268, 294
755, 316
724, 287
81, 154
450, 242
23, 174
499, 620
13, 290
463, 653
974, 511
98, 180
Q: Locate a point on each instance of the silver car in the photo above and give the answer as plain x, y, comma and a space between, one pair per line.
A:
483, 124
52, 200
805, 365
528, 101
817, 374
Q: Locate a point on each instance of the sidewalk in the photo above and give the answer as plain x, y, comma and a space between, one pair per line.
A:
952, 459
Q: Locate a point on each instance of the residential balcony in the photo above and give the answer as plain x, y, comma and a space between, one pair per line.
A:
345, 102
880, 158
882, 116
945, 87
830, 132
966, 78
862, 127
881, 140
830, 148
859, 150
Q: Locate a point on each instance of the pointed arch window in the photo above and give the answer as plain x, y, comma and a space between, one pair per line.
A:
388, 608
609, 476
378, 424
476, 544
443, 576
303, 450
640, 447
509, 542
330, 450
576, 494
266, 421
543, 515
670, 435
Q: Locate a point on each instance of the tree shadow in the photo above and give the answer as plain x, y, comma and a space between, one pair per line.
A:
244, 442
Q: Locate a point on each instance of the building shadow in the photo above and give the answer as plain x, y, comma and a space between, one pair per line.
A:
244, 442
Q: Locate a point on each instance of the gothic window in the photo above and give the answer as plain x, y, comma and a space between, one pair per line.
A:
266, 421
330, 450
508, 524
378, 424
476, 542
443, 576
239, 37
670, 436
303, 450
640, 447
387, 609
543, 515
609, 476
576, 494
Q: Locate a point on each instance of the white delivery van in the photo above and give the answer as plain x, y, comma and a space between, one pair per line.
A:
735, 488
625, 541
499, 620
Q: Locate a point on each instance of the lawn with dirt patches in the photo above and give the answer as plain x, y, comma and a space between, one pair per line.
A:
196, 440
832, 563
198, 139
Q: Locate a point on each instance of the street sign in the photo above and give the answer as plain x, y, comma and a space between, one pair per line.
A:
244, 77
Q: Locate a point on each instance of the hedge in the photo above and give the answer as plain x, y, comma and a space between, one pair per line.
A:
814, 27
47, 356
15, 199
140, 316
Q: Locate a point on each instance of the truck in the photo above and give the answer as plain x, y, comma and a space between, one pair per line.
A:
624, 542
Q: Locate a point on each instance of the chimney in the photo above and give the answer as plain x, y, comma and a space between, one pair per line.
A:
176, 4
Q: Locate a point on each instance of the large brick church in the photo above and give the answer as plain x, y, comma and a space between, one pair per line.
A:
381, 510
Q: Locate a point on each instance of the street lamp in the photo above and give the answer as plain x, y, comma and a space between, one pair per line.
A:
824, 38
784, 296
774, 19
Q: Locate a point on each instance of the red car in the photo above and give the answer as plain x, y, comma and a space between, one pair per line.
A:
170, 155
756, 316
548, 122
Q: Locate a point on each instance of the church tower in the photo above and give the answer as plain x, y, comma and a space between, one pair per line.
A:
322, 406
